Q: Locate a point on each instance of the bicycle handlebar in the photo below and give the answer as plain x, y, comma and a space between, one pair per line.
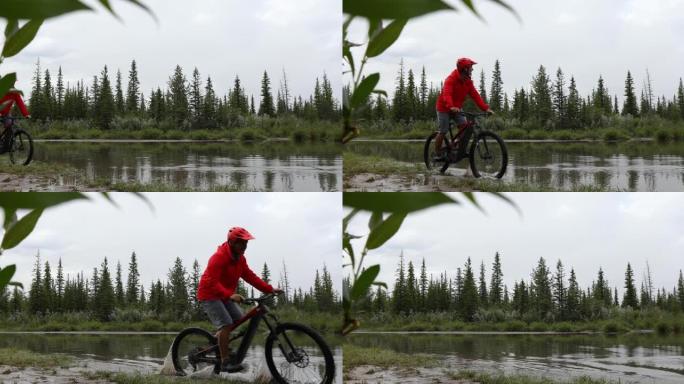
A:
259, 300
468, 114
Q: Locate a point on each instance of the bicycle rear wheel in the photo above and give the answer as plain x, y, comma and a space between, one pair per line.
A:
488, 155
193, 350
430, 152
296, 353
21, 150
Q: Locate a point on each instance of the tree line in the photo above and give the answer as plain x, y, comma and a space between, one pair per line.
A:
547, 296
105, 292
549, 103
185, 103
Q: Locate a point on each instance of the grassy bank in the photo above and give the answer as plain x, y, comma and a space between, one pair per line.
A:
610, 129
22, 359
485, 378
149, 322
373, 168
355, 356
144, 129
617, 322
137, 378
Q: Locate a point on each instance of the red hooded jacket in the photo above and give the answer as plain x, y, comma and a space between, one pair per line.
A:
220, 280
455, 91
13, 97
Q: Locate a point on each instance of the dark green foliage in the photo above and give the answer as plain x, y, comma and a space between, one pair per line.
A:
630, 297
266, 107
630, 105
133, 282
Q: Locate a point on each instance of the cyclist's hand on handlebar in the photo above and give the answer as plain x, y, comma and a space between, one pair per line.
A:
455, 110
236, 298
490, 112
277, 291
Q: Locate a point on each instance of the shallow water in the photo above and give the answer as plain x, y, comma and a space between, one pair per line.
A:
643, 358
272, 166
134, 352
631, 166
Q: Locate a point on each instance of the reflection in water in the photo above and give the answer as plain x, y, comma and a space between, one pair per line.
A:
629, 358
273, 166
633, 166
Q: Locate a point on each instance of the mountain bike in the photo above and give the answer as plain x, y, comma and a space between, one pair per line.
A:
487, 153
16, 141
295, 353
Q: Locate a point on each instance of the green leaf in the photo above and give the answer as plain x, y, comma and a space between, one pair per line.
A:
346, 220
385, 38
39, 9
5, 276
380, 284
21, 38
375, 220
7, 82
31, 200
10, 217
385, 230
16, 284
364, 282
12, 26
364, 89
21, 229
380, 92
392, 9
395, 201
374, 27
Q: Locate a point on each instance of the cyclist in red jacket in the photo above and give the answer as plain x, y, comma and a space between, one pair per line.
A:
6, 103
456, 87
218, 286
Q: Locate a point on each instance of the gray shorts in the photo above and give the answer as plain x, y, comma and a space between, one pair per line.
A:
443, 121
221, 313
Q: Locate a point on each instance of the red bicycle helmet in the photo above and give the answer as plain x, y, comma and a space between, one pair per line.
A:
464, 62
239, 233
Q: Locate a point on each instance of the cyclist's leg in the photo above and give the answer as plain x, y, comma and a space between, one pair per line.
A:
461, 123
443, 124
222, 320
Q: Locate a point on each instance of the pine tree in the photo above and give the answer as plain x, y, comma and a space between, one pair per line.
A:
630, 105
423, 286
469, 296
133, 91
104, 105
572, 111
541, 298
541, 96
37, 100
559, 290
496, 284
194, 285
266, 107
680, 98
59, 287
133, 281
119, 292
119, 103
399, 298
483, 88
399, 104
483, 293
496, 94
209, 105
560, 99
196, 97
573, 298
104, 299
630, 297
411, 96
179, 300
48, 289
48, 95
178, 89
680, 290
424, 92
59, 95
266, 274
37, 299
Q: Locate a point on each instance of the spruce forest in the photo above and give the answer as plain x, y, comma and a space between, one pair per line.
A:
551, 103
110, 293
108, 102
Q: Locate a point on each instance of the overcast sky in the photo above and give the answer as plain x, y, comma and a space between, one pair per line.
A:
585, 230
221, 38
301, 229
585, 38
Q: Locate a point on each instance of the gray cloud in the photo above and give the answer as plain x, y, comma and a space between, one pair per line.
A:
222, 38
585, 38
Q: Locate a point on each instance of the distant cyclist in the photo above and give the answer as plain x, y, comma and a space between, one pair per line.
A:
12, 97
456, 87
217, 289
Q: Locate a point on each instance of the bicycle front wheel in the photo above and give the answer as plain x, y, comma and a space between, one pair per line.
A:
296, 353
21, 150
430, 152
488, 155
193, 350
